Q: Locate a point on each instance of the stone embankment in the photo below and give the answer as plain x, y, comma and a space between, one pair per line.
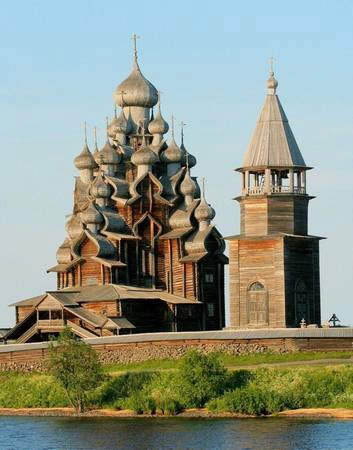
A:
141, 347
176, 351
126, 354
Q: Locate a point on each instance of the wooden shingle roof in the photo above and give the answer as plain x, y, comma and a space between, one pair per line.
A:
273, 143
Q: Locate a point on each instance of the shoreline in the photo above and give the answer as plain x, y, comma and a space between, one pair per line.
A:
310, 413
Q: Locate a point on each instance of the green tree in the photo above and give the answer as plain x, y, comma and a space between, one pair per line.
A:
201, 378
75, 365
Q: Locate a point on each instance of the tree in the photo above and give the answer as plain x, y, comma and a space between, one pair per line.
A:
75, 365
201, 377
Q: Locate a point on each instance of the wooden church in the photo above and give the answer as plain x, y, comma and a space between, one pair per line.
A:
274, 262
141, 253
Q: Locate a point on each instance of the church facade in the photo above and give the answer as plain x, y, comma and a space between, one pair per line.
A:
274, 262
141, 253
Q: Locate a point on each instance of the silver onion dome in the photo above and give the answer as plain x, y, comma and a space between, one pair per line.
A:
91, 215
272, 83
63, 254
107, 155
172, 154
144, 155
99, 188
119, 125
204, 212
136, 90
158, 125
188, 186
85, 159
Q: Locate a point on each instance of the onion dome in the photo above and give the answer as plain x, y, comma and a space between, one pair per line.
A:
85, 159
136, 90
99, 188
158, 125
272, 83
74, 226
63, 254
119, 125
172, 154
108, 155
204, 212
188, 186
91, 215
144, 156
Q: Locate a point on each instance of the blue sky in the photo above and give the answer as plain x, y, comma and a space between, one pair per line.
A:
61, 61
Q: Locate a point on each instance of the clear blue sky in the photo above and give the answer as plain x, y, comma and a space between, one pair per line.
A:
61, 61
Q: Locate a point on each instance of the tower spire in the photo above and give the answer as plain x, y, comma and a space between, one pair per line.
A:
107, 127
172, 120
134, 37
159, 101
182, 125
272, 83
187, 161
95, 138
85, 131
203, 187
270, 61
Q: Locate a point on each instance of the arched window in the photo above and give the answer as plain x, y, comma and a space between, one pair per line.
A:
257, 286
257, 304
301, 302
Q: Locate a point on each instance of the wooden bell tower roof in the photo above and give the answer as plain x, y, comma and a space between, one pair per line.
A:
273, 143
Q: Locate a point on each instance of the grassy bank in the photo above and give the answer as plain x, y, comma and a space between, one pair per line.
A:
198, 381
232, 361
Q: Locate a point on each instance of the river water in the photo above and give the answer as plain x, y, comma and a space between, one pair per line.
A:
47, 433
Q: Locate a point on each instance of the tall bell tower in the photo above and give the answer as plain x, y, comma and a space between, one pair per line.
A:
274, 262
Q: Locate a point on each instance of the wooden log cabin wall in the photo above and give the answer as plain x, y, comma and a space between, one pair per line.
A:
141, 227
274, 279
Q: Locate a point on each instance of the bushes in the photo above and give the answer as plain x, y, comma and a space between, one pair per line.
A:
200, 381
30, 391
269, 391
201, 378
113, 391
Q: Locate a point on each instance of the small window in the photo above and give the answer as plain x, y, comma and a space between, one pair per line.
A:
257, 286
210, 309
91, 281
209, 277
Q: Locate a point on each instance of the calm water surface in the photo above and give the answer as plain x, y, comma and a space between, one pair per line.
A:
174, 433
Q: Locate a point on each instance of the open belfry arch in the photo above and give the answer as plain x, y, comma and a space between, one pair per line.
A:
141, 253
274, 262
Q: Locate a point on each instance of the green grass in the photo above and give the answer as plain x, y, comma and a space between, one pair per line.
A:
231, 361
168, 386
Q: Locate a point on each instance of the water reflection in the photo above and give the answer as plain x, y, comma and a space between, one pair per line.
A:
174, 434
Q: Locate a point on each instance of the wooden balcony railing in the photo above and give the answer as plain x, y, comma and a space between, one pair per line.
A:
55, 323
259, 190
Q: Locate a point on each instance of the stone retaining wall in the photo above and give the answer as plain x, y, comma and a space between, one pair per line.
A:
29, 357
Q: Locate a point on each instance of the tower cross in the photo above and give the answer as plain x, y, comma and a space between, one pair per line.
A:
172, 120
271, 61
95, 137
182, 125
134, 37
107, 126
85, 131
203, 186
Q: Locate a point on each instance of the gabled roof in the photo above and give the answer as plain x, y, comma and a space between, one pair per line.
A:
33, 301
273, 143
